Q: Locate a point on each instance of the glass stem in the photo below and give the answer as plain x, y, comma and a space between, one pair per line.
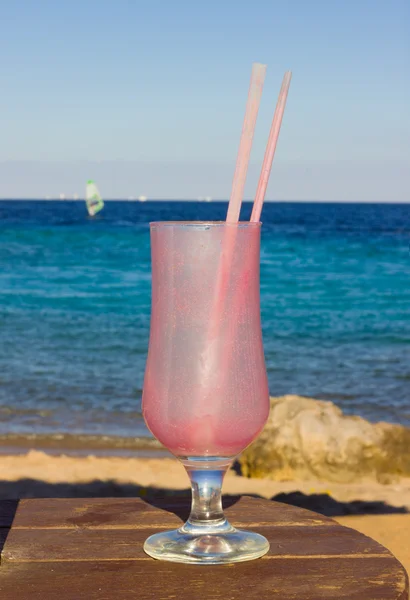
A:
206, 508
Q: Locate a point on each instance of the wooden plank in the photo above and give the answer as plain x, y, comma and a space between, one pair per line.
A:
97, 544
110, 513
299, 579
81, 549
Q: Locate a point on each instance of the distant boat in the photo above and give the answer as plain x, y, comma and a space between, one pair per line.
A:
142, 198
208, 199
93, 199
62, 196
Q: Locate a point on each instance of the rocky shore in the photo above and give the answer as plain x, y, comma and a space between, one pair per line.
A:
312, 439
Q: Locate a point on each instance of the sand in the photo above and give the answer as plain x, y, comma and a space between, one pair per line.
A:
374, 509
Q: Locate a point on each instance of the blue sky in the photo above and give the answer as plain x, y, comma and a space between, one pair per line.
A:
148, 97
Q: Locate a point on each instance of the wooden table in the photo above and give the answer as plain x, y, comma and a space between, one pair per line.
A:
71, 549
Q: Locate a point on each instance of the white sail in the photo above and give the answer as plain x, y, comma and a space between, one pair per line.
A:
93, 199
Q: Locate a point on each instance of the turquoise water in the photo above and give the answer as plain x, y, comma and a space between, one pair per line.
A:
75, 302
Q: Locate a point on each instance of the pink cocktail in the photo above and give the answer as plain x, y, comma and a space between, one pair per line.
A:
205, 390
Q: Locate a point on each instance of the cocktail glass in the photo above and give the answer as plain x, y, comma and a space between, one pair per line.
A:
205, 389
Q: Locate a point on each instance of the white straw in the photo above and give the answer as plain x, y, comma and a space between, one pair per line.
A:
270, 148
245, 145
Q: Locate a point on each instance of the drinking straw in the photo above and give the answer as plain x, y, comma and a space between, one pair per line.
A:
209, 358
270, 148
245, 145
260, 196
228, 244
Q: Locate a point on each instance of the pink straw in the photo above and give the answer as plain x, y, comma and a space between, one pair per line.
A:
248, 129
270, 148
228, 243
260, 194
238, 184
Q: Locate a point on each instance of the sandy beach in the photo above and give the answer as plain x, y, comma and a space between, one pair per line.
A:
380, 511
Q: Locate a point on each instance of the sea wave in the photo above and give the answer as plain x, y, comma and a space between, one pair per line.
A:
79, 443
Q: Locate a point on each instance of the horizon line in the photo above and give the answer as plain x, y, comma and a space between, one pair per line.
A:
216, 200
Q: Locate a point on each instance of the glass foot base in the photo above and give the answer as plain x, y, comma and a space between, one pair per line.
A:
206, 548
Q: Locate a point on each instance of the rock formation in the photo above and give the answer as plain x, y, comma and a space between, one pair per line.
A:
312, 439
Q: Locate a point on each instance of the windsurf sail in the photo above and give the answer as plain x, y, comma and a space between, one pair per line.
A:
93, 199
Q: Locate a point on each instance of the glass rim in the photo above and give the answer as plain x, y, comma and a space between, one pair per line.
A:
183, 224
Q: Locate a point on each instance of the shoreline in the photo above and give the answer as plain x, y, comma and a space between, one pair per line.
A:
157, 454
82, 445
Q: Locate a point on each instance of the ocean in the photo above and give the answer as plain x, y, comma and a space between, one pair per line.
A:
75, 312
